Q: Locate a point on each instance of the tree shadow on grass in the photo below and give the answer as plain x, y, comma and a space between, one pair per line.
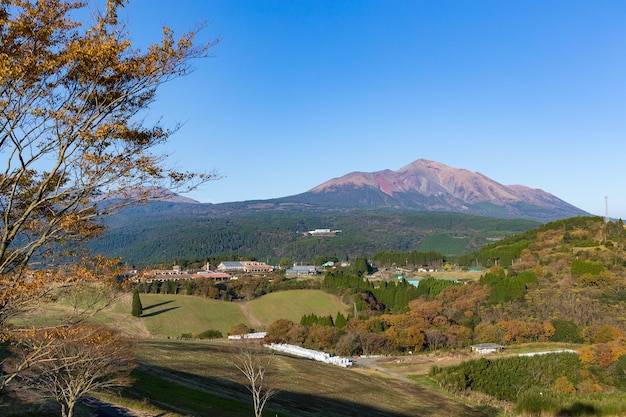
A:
218, 397
578, 409
156, 313
157, 305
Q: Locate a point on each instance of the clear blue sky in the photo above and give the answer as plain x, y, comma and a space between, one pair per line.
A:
299, 92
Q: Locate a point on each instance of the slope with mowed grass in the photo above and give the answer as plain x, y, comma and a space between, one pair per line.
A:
173, 315
292, 305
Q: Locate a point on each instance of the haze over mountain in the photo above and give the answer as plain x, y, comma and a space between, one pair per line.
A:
425, 185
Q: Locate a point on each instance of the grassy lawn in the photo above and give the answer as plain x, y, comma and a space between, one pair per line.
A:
292, 305
173, 315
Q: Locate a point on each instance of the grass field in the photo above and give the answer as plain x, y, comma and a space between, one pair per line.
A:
172, 315
198, 378
292, 305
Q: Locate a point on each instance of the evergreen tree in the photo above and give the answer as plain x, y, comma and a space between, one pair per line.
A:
340, 321
137, 309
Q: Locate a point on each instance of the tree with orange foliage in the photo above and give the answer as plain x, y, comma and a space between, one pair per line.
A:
74, 143
71, 136
87, 286
68, 363
72, 95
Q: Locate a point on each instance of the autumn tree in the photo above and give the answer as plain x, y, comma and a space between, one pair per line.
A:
87, 287
74, 144
238, 329
74, 140
72, 362
278, 331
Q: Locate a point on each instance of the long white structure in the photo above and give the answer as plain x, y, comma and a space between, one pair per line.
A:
310, 354
257, 335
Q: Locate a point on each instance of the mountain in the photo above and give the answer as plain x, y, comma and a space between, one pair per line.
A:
429, 186
423, 206
151, 193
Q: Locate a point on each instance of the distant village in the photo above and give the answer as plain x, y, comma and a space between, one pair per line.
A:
228, 270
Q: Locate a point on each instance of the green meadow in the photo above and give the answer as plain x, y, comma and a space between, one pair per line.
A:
172, 315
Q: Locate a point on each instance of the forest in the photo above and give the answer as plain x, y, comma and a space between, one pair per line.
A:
162, 232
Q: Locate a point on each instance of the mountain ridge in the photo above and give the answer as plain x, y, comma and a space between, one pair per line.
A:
427, 185
423, 206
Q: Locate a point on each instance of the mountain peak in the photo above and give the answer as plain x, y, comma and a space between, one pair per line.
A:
433, 186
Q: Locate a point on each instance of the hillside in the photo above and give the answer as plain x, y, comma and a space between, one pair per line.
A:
163, 232
172, 315
580, 266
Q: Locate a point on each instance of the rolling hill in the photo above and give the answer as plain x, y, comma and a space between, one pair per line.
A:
167, 315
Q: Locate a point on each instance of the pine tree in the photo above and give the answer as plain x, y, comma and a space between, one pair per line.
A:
340, 321
137, 309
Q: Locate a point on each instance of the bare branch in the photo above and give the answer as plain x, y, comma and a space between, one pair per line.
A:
255, 365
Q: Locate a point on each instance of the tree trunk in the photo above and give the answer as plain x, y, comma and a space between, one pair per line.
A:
69, 409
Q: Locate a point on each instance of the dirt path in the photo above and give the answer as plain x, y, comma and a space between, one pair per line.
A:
403, 366
254, 322
119, 312
372, 363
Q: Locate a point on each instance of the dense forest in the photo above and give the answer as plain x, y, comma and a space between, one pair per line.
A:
162, 232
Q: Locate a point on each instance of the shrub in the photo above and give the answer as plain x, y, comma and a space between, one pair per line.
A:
566, 331
536, 400
210, 334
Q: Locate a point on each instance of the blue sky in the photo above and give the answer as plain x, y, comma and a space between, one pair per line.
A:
299, 92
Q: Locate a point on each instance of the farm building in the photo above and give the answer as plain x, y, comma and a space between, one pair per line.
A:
253, 266
230, 266
486, 348
245, 266
301, 270
256, 335
176, 274
322, 232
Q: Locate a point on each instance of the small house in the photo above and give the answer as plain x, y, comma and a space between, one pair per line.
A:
487, 348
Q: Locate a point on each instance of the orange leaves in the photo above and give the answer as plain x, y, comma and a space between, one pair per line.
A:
85, 89
72, 94
603, 354
562, 385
